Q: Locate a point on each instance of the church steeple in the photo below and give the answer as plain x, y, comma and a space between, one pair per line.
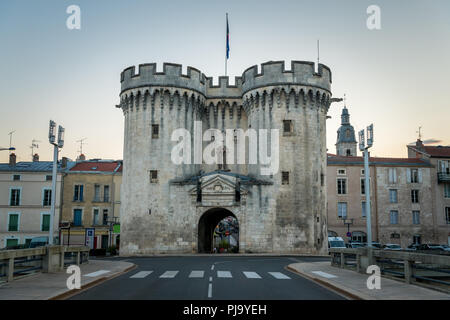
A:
346, 141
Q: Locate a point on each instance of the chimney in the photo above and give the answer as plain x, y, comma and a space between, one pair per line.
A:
81, 157
36, 158
12, 159
419, 145
64, 162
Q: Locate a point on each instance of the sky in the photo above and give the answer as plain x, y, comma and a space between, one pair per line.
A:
396, 77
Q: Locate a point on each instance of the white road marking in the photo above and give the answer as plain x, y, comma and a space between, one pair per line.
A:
196, 274
96, 273
169, 274
141, 274
212, 267
251, 275
210, 279
210, 290
324, 274
278, 275
224, 274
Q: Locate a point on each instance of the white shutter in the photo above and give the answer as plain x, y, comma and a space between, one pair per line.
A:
391, 175
408, 175
420, 175
394, 170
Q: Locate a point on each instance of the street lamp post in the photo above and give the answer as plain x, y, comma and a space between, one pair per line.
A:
56, 146
365, 148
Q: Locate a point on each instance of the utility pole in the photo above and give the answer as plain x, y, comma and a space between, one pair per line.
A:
365, 149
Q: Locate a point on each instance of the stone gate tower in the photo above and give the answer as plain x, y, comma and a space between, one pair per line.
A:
171, 208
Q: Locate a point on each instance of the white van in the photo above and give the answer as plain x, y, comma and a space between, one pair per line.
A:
336, 242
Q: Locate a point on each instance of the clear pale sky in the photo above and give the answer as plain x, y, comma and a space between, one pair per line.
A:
397, 77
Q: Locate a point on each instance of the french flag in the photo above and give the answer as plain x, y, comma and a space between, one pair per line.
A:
228, 39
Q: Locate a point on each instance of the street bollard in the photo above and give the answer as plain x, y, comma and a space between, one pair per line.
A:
10, 269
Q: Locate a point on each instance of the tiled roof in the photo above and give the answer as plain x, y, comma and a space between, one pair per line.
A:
97, 166
438, 151
37, 166
331, 159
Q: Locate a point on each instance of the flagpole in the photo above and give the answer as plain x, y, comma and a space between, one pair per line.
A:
226, 43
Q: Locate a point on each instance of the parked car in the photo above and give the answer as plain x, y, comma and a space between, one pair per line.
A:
432, 247
446, 247
413, 247
355, 245
376, 245
336, 242
392, 246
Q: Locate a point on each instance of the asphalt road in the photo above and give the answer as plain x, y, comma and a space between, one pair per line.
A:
212, 277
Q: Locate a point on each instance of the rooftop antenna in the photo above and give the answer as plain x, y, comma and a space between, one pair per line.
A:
10, 140
81, 141
33, 145
419, 132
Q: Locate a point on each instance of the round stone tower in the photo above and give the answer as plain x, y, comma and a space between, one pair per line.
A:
168, 207
296, 103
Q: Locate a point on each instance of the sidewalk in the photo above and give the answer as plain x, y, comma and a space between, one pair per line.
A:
44, 286
353, 284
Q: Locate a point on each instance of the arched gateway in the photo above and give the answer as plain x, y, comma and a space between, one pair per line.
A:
206, 225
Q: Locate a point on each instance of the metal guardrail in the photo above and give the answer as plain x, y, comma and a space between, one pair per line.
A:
420, 268
19, 262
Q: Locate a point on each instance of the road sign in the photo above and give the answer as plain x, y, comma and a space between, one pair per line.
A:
349, 234
89, 237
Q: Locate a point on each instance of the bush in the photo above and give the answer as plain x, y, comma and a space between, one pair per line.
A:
224, 244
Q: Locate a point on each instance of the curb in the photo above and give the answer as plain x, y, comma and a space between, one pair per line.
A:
68, 294
343, 291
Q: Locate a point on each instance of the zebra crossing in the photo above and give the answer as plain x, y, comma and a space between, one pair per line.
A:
200, 274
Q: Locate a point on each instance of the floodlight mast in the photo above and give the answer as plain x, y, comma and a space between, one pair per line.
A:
56, 146
365, 149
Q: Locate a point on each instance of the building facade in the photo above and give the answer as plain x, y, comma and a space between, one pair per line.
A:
401, 200
439, 157
169, 207
25, 201
91, 199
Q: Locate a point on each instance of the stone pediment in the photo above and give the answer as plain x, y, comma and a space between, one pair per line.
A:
218, 184
218, 189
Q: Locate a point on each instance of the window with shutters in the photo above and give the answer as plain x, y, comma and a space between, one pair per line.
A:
45, 226
105, 193
392, 175
78, 192
393, 196
416, 217
394, 217
363, 209
447, 215
342, 210
415, 196
414, 176
14, 199
13, 222
47, 197
447, 190
96, 193
342, 186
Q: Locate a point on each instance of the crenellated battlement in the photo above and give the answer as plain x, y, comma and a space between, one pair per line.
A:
273, 73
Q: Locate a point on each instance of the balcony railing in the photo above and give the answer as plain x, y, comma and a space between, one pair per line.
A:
443, 177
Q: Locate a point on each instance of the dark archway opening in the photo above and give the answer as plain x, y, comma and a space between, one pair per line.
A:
207, 225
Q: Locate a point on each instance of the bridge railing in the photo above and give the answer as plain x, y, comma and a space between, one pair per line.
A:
411, 267
19, 262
